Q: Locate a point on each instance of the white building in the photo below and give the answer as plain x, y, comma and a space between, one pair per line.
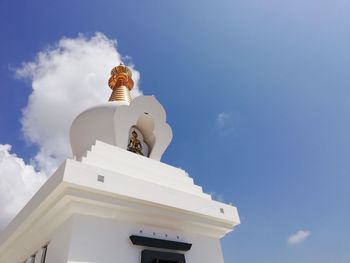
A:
111, 204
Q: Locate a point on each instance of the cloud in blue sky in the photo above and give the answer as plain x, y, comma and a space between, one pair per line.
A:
217, 196
298, 237
226, 122
66, 79
18, 183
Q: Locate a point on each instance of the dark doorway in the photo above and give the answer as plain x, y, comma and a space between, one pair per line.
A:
152, 256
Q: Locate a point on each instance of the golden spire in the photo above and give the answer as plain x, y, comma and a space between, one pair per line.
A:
121, 83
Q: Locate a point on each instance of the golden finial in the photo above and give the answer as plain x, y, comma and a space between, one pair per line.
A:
121, 83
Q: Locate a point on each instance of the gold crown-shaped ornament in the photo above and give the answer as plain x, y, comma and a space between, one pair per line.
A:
121, 83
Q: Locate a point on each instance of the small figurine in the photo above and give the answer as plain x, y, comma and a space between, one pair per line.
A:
135, 144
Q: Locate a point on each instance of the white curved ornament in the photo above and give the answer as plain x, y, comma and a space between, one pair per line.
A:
110, 123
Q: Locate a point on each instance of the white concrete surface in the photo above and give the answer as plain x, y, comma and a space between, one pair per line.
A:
137, 193
111, 122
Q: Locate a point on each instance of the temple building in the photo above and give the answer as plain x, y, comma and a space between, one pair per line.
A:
114, 200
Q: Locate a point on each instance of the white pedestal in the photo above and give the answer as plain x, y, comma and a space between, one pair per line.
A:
88, 209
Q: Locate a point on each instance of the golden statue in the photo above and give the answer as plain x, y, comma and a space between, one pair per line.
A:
135, 144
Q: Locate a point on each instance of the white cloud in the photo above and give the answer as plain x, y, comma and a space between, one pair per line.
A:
217, 197
18, 183
226, 122
222, 119
66, 79
298, 237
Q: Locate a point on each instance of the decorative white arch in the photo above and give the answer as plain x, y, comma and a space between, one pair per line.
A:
111, 123
148, 115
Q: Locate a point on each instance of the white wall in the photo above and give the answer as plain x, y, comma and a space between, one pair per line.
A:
105, 241
59, 243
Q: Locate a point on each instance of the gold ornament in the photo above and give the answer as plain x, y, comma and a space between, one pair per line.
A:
135, 145
121, 83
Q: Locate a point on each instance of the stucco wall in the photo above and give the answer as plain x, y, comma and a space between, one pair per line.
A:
106, 241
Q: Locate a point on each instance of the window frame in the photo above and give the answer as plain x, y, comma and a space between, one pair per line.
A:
43, 253
150, 256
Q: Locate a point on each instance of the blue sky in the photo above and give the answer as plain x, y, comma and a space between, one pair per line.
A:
257, 94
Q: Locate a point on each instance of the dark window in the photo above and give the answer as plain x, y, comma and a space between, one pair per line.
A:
32, 258
43, 254
151, 256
